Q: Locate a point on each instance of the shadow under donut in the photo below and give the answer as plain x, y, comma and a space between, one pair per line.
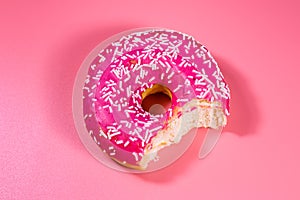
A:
244, 111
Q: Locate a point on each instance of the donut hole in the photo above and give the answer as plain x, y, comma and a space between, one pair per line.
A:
157, 99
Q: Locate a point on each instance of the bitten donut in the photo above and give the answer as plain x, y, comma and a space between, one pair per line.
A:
161, 64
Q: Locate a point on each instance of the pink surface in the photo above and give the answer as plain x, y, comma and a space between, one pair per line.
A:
43, 44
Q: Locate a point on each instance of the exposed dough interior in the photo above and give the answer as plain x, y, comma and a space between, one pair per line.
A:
195, 114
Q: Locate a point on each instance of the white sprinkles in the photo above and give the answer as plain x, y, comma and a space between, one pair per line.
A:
171, 44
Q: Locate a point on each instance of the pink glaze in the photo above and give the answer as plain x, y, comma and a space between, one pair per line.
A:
126, 68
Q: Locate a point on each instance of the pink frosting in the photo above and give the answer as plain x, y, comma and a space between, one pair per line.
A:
126, 68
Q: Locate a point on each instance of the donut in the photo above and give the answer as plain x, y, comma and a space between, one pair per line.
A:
145, 90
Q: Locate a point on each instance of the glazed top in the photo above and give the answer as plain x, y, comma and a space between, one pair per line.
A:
126, 68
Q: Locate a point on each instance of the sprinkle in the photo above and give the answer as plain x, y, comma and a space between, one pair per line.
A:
138, 40
148, 139
111, 148
118, 44
116, 52
96, 78
170, 76
226, 111
105, 89
153, 66
128, 77
132, 139
169, 67
199, 82
207, 62
208, 53
214, 93
110, 127
87, 81
155, 129
128, 90
170, 113
126, 143
146, 134
187, 64
113, 89
111, 84
101, 133
182, 100
182, 62
162, 76
177, 88
93, 66
124, 121
119, 142
95, 139
86, 88
106, 94
204, 94
115, 134
108, 98
137, 80
102, 58
130, 111
188, 46
151, 79
94, 86
161, 63
135, 156
214, 62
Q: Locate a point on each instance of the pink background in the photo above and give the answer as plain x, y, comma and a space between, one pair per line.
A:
42, 44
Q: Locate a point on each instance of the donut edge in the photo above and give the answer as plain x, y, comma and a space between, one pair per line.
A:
205, 114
